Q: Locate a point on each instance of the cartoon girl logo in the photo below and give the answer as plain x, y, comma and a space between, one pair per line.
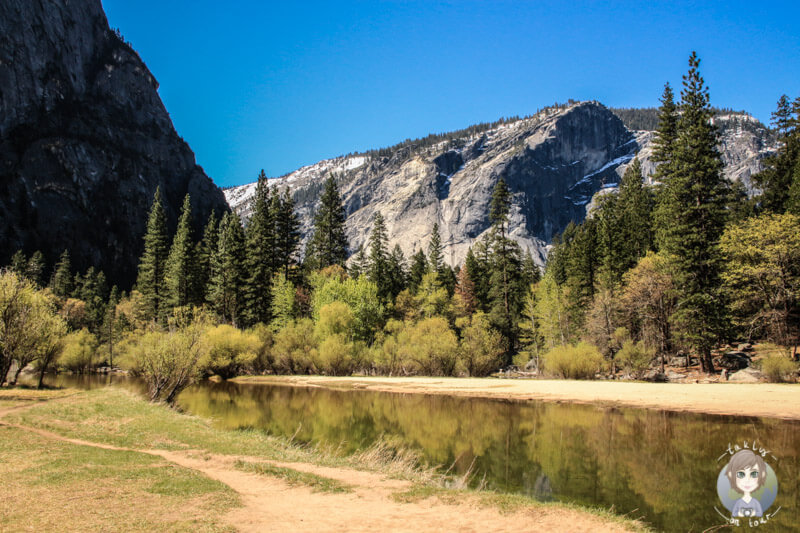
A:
747, 485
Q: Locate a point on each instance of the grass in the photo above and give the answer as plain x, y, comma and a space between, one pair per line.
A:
295, 477
50, 485
132, 491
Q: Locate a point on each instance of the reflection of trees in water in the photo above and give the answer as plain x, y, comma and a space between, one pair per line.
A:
663, 464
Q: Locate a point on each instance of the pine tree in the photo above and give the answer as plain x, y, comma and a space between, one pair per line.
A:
693, 217
153, 261
180, 266
530, 271
396, 270
435, 256
35, 270
61, 282
780, 179
504, 294
328, 244
419, 266
358, 266
287, 234
227, 283
19, 264
260, 238
478, 264
378, 270
667, 132
204, 253
636, 214
465, 290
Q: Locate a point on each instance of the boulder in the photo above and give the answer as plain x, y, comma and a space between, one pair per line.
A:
748, 375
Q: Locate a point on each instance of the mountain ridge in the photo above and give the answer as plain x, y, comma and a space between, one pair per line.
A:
528, 152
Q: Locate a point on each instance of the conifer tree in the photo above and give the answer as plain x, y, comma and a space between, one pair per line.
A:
204, 253
780, 179
667, 132
227, 283
465, 289
180, 266
478, 264
378, 270
358, 266
328, 244
61, 282
504, 293
396, 271
530, 271
636, 213
419, 266
287, 234
435, 256
260, 238
152, 264
19, 264
35, 270
693, 217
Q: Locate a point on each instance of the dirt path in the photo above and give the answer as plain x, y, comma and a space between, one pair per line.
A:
744, 399
270, 504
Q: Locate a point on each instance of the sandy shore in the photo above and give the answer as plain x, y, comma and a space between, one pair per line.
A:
744, 399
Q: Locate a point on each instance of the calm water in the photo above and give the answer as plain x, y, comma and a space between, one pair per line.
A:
659, 466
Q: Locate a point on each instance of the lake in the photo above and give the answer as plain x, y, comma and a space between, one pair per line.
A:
656, 465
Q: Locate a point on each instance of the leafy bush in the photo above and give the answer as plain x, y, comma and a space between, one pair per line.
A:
336, 356
80, 352
431, 347
778, 368
635, 357
295, 347
166, 360
481, 347
228, 351
264, 361
581, 361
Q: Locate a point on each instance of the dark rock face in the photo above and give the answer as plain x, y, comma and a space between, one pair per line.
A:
85, 140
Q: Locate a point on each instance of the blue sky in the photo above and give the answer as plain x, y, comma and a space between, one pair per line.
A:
279, 85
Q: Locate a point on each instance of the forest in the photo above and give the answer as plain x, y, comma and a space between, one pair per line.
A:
653, 275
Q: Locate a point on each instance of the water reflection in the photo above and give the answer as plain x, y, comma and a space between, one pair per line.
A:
656, 465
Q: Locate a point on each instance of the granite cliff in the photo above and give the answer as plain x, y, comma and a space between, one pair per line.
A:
84, 140
554, 163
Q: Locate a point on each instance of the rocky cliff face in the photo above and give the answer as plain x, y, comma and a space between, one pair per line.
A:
84, 140
553, 162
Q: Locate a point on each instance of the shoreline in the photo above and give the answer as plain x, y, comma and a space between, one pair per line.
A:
766, 400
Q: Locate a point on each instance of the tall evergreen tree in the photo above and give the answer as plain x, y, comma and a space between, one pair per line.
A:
260, 239
227, 283
419, 266
328, 244
359, 264
204, 254
435, 256
61, 282
504, 291
287, 234
378, 271
19, 264
152, 265
636, 214
180, 266
780, 179
693, 217
396, 270
667, 132
35, 270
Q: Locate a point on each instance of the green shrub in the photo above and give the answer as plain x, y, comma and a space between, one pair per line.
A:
336, 356
581, 361
778, 368
430, 347
264, 361
635, 358
481, 347
295, 347
80, 352
228, 351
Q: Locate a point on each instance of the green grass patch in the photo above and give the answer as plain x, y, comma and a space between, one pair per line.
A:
49, 485
295, 477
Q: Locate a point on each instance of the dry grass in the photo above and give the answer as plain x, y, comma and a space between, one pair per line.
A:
50, 485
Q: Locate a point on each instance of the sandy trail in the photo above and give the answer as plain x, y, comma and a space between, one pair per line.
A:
742, 399
270, 504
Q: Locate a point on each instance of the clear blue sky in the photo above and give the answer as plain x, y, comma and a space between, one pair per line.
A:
278, 85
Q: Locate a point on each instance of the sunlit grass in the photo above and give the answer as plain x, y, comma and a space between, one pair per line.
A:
295, 477
49, 485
